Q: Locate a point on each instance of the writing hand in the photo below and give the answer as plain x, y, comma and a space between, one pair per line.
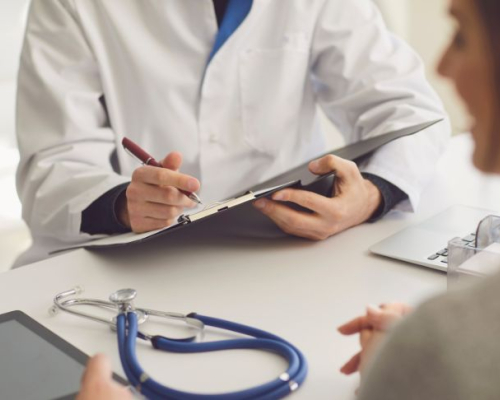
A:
154, 199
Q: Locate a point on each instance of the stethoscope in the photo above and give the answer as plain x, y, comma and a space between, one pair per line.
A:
127, 321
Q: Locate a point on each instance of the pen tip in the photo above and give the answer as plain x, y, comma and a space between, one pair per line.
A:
195, 197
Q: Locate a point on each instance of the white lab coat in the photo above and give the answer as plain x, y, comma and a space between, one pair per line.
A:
247, 116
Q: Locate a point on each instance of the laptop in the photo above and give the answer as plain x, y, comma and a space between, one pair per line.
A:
425, 244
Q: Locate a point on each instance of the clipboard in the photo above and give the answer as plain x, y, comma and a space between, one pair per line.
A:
237, 216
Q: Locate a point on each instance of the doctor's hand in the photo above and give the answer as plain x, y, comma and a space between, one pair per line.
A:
153, 199
372, 329
356, 200
98, 384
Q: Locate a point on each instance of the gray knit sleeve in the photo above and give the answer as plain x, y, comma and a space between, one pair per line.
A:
410, 364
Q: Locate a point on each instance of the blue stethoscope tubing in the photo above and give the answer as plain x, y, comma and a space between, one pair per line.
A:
127, 331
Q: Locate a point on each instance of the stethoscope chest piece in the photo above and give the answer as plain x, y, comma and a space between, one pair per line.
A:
123, 296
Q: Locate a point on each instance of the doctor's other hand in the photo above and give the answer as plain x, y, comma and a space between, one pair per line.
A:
356, 200
372, 329
98, 384
153, 199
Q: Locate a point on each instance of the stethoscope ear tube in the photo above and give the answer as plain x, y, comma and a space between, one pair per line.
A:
288, 382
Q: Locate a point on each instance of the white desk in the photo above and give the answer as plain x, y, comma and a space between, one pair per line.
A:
294, 288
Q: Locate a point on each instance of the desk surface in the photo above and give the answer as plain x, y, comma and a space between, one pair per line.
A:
294, 288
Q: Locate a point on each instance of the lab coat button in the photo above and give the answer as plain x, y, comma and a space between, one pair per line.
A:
212, 138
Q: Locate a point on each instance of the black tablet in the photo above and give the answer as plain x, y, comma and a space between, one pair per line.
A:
36, 364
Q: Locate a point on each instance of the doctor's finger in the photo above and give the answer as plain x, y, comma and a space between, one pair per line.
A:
309, 200
293, 222
144, 224
165, 177
172, 161
344, 169
139, 192
155, 211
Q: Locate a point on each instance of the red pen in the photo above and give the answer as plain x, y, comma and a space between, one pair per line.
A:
147, 159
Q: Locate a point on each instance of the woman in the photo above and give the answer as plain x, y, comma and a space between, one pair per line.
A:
449, 348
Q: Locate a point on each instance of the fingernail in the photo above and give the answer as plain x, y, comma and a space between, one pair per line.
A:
192, 185
280, 196
314, 165
373, 308
261, 204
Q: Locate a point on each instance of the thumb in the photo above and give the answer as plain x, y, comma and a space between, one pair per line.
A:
343, 169
98, 368
173, 161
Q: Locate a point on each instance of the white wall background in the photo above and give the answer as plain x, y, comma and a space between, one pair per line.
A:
12, 15
421, 22
426, 26
14, 236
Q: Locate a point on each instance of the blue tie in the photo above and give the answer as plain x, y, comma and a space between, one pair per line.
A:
237, 11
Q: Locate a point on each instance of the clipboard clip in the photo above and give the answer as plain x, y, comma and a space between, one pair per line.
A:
216, 208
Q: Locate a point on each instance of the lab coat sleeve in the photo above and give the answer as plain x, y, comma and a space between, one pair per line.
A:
65, 141
369, 82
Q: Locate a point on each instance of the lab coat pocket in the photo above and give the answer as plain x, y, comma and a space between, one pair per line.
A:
272, 86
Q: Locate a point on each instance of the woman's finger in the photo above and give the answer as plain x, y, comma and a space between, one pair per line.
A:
382, 320
354, 326
399, 308
351, 366
365, 336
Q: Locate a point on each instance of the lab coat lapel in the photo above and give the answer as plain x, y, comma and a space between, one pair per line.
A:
231, 45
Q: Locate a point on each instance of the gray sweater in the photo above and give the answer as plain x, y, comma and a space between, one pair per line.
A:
449, 349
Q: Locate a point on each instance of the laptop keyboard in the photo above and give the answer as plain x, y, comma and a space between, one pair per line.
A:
442, 255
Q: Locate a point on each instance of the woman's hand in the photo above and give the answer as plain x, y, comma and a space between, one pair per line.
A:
153, 199
372, 329
98, 384
356, 200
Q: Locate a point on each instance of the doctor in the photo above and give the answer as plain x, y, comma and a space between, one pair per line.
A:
233, 86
